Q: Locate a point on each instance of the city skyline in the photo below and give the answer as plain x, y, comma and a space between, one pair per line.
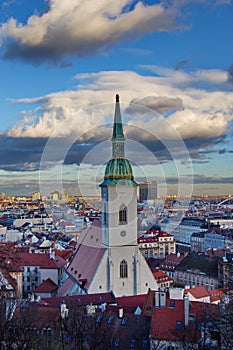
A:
61, 66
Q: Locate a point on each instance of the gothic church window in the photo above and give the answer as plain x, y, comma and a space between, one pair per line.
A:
123, 215
123, 269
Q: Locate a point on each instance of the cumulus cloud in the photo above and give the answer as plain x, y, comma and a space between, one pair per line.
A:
83, 117
199, 125
83, 27
91, 103
161, 104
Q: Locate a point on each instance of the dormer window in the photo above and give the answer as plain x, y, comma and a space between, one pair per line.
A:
123, 215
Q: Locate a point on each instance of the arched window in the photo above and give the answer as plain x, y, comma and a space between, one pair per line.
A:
123, 215
123, 269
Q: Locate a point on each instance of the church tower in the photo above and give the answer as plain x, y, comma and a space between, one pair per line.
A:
119, 193
127, 271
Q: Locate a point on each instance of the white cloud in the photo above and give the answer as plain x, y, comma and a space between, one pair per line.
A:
197, 125
205, 113
83, 27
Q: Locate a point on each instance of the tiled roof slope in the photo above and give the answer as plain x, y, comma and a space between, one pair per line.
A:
42, 260
47, 286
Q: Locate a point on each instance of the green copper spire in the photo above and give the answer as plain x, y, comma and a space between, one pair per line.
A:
118, 169
117, 127
118, 140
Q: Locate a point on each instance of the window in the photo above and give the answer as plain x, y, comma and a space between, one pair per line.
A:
99, 319
124, 321
47, 331
117, 343
123, 269
110, 320
123, 215
144, 344
172, 304
178, 325
132, 344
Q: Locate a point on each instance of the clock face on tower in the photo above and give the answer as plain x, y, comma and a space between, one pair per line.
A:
118, 149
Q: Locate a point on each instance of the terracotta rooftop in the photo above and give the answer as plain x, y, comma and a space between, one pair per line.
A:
65, 287
42, 260
174, 258
85, 263
168, 322
48, 286
80, 300
198, 292
65, 253
161, 276
165, 319
130, 303
153, 236
216, 294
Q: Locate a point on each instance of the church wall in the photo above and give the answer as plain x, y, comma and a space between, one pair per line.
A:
139, 277
99, 283
125, 233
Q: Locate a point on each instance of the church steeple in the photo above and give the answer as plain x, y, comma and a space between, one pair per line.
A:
118, 169
118, 139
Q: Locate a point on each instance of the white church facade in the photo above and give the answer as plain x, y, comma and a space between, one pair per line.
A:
108, 257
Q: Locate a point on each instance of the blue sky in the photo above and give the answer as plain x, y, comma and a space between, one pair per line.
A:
62, 62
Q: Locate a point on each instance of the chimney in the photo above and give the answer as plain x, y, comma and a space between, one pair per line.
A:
64, 310
120, 311
160, 299
186, 310
157, 301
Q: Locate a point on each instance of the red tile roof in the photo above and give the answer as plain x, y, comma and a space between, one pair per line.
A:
175, 258
92, 235
153, 236
172, 261
48, 286
197, 292
41, 259
164, 322
130, 303
165, 318
85, 264
216, 294
80, 300
65, 287
65, 253
161, 276
147, 309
